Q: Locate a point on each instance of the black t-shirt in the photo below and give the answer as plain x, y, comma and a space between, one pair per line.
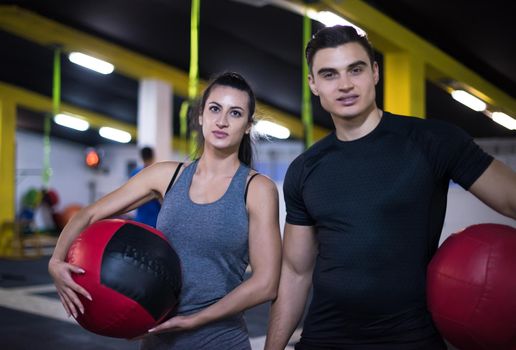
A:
378, 206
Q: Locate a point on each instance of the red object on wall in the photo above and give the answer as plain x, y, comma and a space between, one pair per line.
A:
92, 158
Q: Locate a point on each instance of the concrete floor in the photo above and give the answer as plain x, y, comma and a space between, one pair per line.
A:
32, 317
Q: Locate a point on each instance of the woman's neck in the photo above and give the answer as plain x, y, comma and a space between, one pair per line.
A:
212, 164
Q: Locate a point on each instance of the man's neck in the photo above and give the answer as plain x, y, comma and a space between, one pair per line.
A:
353, 128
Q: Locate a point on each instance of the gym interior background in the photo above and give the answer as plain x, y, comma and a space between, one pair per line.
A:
443, 46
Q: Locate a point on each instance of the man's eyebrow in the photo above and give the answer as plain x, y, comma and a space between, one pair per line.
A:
357, 63
326, 70
350, 66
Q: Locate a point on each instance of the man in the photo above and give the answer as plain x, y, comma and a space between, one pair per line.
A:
148, 212
365, 209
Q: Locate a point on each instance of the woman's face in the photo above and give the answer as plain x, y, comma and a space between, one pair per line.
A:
225, 118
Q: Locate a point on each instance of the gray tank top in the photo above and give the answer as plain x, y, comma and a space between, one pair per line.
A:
211, 239
212, 243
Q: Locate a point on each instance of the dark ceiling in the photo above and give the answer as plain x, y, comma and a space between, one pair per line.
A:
262, 42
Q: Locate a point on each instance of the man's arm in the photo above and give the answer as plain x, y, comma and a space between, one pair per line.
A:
496, 187
299, 252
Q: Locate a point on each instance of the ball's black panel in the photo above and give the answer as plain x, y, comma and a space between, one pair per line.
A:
143, 267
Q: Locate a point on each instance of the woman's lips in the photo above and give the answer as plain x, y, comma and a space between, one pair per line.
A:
219, 134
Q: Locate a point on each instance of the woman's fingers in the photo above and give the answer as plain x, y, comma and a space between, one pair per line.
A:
65, 306
72, 284
69, 304
80, 290
74, 299
76, 268
67, 288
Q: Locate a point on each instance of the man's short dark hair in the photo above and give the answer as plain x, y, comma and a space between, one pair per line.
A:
336, 36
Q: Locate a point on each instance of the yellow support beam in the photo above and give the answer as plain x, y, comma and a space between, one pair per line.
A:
40, 103
46, 32
391, 37
404, 84
7, 173
43, 104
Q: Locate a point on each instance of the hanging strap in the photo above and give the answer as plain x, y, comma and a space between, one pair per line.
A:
306, 106
56, 105
174, 177
247, 186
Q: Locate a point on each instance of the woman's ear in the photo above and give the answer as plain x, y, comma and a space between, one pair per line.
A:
249, 126
200, 120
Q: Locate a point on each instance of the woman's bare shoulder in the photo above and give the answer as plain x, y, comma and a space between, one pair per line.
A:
260, 182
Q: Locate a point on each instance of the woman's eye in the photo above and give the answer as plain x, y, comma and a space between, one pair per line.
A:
236, 113
214, 108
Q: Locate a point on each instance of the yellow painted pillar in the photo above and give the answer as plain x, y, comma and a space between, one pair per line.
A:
404, 84
7, 174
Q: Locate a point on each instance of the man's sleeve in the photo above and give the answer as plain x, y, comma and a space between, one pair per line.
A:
297, 213
456, 155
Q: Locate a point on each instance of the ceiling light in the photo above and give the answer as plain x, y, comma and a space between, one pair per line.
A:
71, 122
115, 134
92, 63
469, 100
265, 127
505, 120
330, 19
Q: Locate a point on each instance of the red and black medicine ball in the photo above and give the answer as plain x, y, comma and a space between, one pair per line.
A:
472, 288
132, 274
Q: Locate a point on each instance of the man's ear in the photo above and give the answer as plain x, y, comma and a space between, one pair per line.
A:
311, 83
376, 73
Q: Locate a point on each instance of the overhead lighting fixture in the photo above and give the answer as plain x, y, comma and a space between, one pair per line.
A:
265, 127
469, 100
504, 120
71, 122
92, 63
115, 134
330, 19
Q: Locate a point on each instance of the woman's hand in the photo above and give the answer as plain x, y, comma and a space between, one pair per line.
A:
174, 324
66, 287
177, 323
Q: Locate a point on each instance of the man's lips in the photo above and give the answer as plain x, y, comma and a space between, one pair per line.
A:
347, 100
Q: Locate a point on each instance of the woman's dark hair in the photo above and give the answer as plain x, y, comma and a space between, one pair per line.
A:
235, 81
333, 37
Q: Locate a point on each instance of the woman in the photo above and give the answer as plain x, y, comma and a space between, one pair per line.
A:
217, 219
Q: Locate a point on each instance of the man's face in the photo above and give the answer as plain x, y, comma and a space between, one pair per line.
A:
344, 80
